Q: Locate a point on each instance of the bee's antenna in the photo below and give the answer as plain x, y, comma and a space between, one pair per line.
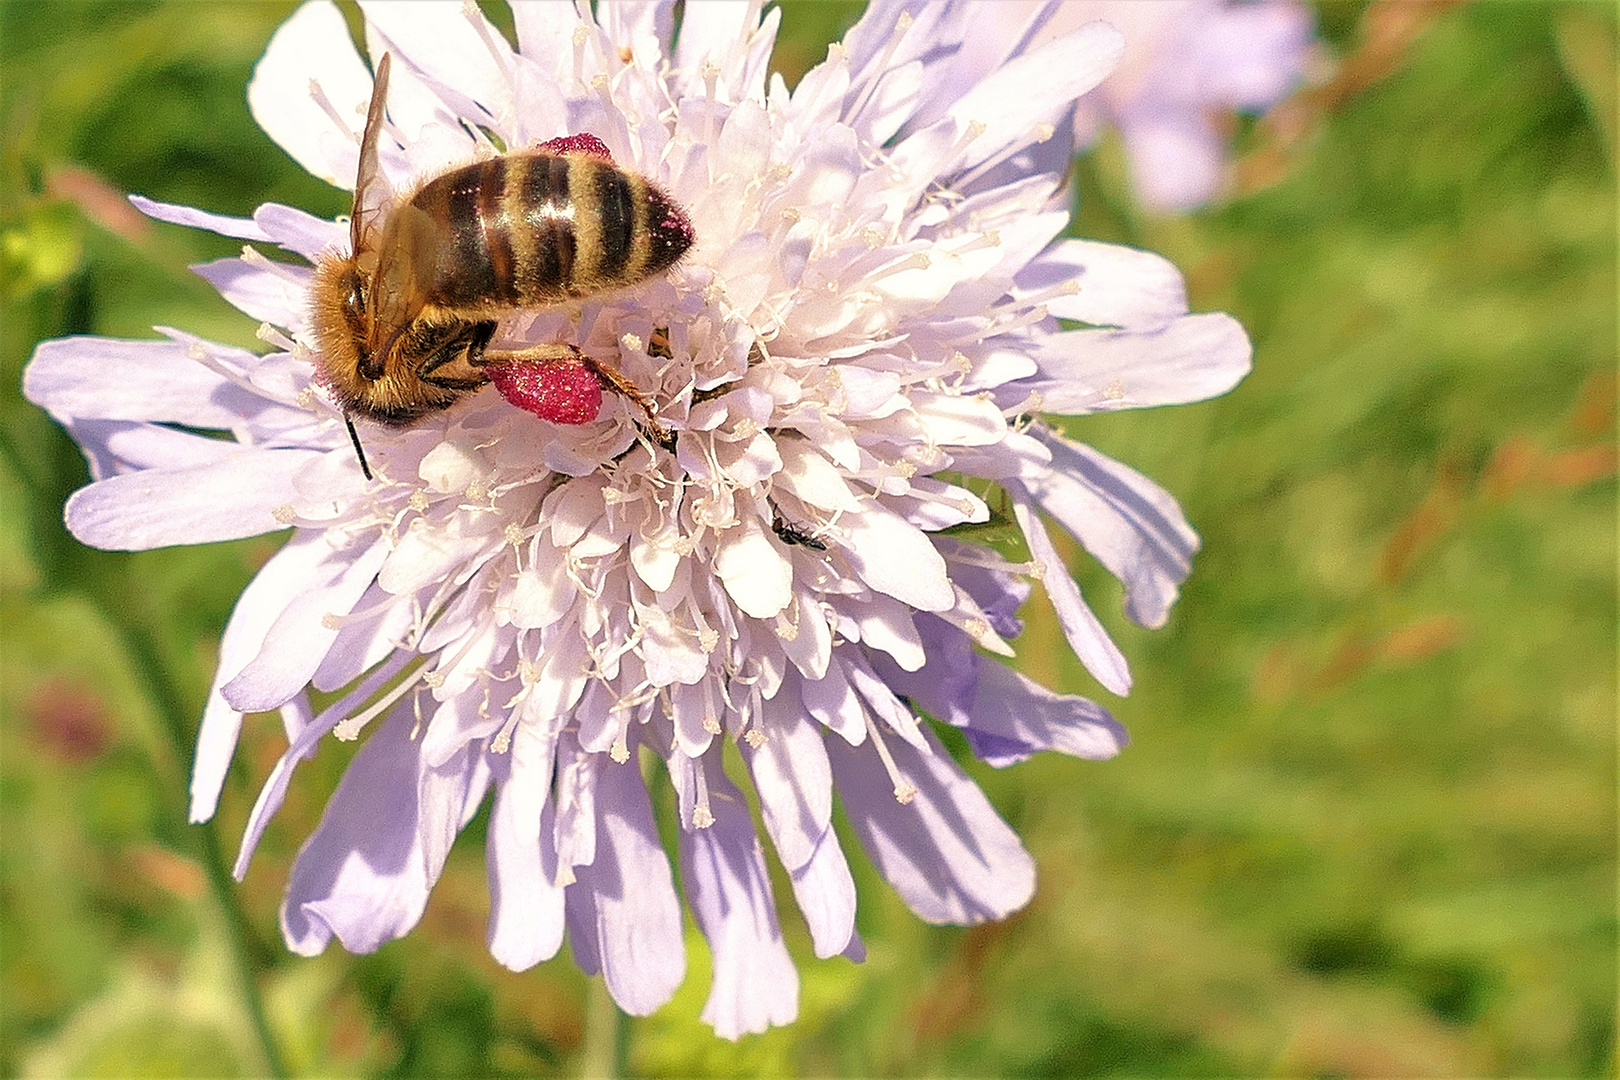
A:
354, 436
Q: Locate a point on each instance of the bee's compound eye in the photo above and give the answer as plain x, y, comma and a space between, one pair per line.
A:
354, 300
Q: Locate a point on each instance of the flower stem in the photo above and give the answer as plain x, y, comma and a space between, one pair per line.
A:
241, 937
607, 1037
169, 702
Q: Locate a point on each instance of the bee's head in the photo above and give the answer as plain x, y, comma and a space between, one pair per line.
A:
338, 316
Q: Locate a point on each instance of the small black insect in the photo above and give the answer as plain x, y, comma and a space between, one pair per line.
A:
792, 534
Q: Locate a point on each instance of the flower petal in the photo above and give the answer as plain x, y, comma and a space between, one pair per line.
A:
241, 228
299, 639
1177, 161
946, 852
896, 558
115, 379
723, 869
301, 746
312, 49
1129, 523
1117, 285
792, 777
1010, 114
280, 297
437, 41
1010, 708
545, 33
525, 903
365, 873
754, 569
294, 230
222, 500
288, 572
623, 905
1085, 634
825, 893
1191, 359
1250, 56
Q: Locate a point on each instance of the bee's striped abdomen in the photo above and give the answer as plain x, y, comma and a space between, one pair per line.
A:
531, 230
543, 221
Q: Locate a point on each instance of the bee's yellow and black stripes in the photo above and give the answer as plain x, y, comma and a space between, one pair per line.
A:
529, 230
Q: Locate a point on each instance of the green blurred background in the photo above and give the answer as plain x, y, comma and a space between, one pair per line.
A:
1367, 826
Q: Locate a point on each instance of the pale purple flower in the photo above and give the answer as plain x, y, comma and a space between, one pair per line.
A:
1188, 65
512, 608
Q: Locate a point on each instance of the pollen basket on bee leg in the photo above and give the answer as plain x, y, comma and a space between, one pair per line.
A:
563, 391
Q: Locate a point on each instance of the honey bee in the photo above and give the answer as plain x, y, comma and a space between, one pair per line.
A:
404, 322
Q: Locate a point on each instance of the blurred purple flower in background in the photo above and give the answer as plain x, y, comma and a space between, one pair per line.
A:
1187, 65
859, 344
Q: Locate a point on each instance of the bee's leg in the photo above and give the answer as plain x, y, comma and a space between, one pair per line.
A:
625, 388
455, 362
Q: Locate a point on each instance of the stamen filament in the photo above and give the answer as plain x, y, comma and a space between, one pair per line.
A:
904, 790
702, 816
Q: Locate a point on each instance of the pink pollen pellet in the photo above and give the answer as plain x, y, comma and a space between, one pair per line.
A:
561, 391
583, 144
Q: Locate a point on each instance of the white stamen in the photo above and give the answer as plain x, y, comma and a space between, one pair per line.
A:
325, 103
1038, 134
702, 816
901, 25
582, 34
989, 239
916, 261
1070, 287
271, 336
255, 258
502, 57
904, 790
502, 742
349, 730
1014, 323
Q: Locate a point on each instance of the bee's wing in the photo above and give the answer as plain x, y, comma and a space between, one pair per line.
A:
372, 192
405, 268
